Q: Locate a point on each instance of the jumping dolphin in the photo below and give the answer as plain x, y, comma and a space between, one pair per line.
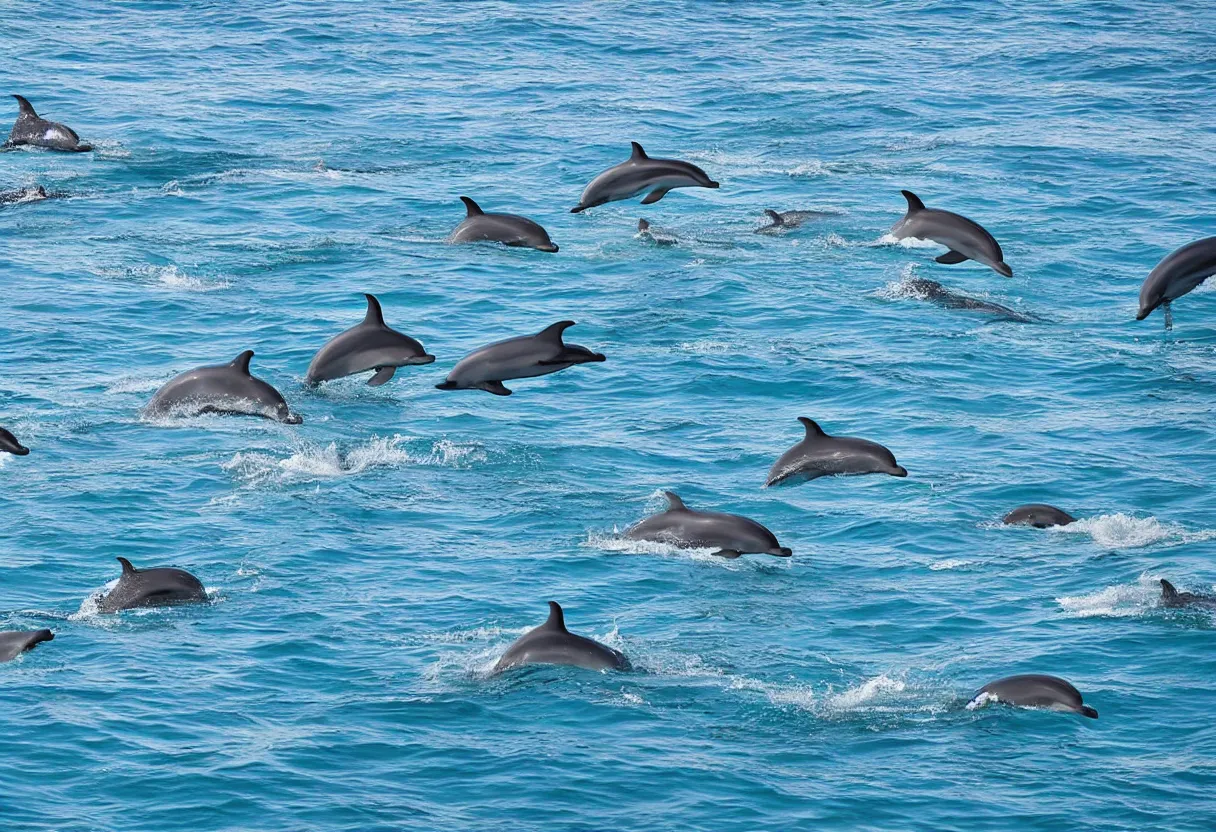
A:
935, 292
369, 345
966, 240
510, 229
524, 357
820, 455
731, 534
223, 388
1039, 515
158, 587
1177, 274
15, 642
552, 643
38, 132
787, 220
1034, 691
9, 444
642, 173
1171, 597
35, 194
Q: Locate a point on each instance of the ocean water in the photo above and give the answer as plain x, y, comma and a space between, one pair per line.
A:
260, 165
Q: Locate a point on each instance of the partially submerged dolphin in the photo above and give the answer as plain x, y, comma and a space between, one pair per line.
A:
730, 534
15, 642
1039, 515
653, 234
966, 240
9, 444
38, 132
509, 229
1180, 272
1171, 597
820, 455
224, 388
1034, 691
786, 220
935, 292
22, 195
524, 357
552, 643
642, 173
159, 587
369, 345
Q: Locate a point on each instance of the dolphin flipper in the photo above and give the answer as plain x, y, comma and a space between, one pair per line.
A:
495, 387
654, 196
951, 257
383, 374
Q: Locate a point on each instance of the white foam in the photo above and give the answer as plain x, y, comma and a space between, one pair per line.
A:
706, 347
614, 542
318, 463
1119, 601
1122, 531
170, 277
950, 563
172, 188
889, 239
133, 384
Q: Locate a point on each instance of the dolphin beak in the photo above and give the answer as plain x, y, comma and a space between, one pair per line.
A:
425, 358
713, 184
446, 385
1142, 314
550, 247
900, 471
1003, 268
781, 552
21, 450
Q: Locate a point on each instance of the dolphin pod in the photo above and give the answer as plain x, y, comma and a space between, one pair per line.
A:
158, 587
31, 130
967, 240
1180, 272
820, 455
508, 229
224, 388
1039, 515
15, 642
639, 174
525, 357
1034, 690
9, 444
369, 345
552, 643
730, 534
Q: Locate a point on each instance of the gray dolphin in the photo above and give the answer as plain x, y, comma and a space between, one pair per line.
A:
159, 587
1039, 515
966, 240
780, 221
370, 345
15, 642
1180, 272
38, 132
9, 444
552, 643
525, 357
510, 229
21, 195
641, 173
1171, 597
656, 235
1034, 690
820, 455
935, 292
223, 388
731, 534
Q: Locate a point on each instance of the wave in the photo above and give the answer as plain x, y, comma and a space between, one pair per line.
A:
170, 277
1119, 601
1122, 531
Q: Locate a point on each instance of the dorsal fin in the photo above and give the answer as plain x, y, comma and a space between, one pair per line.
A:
375, 315
27, 109
127, 568
812, 427
638, 153
774, 216
914, 203
643, 225
241, 362
1167, 590
472, 207
556, 619
554, 332
673, 501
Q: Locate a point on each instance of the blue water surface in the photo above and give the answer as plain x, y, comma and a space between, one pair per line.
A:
260, 165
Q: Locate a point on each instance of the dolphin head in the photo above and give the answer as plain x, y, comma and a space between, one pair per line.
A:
9, 443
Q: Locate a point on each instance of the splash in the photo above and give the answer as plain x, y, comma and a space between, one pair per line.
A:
1122, 531
1119, 601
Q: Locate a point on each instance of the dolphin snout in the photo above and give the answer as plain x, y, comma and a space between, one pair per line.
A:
425, 358
899, 471
781, 552
1003, 268
549, 247
1143, 313
713, 184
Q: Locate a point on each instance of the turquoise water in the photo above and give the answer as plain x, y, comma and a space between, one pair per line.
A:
260, 166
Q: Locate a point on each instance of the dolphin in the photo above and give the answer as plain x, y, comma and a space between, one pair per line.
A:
369, 345
780, 221
159, 587
223, 388
524, 357
38, 132
510, 229
656, 235
552, 643
966, 240
35, 194
642, 173
1034, 690
15, 642
9, 444
1039, 515
1179, 273
1171, 597
820, 455
731, 534
935, 292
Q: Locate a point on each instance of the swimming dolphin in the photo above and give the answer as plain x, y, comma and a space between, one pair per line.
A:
15, 642
1171, 597
1034, 691
9, 444
552, 643
159, 587
369, 345
653, 234
731, 534
935, 292
38, 132
223, 388
35, 194
524, 357
966, 240
511, 229
642, 173
1179, 273
1039, 515
820, 455
786, 220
